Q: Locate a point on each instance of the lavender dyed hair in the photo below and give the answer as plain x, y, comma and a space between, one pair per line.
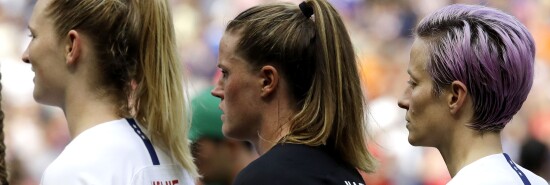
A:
489, 51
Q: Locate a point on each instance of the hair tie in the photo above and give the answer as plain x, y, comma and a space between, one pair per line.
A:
306, 9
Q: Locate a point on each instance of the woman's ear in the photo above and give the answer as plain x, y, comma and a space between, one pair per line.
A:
269, 80
73, 47
457, 96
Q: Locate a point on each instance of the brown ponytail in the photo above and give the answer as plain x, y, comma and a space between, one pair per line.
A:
316, 57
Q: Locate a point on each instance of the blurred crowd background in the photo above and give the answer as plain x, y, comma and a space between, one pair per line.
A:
381, 32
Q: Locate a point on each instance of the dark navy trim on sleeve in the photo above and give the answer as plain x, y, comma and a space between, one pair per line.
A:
145, 140
518, 171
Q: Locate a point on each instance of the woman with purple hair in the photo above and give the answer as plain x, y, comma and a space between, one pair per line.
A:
471, 69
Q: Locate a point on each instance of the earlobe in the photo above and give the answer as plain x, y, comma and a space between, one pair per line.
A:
457, 96
73, 47
269, 80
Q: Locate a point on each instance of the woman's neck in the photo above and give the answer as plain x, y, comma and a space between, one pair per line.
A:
86, 110
467, 147
275, 125
270, 135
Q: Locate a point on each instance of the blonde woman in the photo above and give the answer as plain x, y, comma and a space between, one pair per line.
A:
111, 66
290, 86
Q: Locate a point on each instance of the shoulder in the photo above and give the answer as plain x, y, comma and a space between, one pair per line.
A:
297, 164
104, 154
112, 142
494, 169
86, 167
534, 179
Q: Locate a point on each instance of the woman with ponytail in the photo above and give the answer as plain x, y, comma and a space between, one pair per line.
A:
291, 87
111, 65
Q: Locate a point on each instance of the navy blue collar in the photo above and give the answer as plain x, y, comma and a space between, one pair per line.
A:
145, 140
518, 171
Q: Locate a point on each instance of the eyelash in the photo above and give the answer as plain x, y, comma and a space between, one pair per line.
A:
411, 83
224, 73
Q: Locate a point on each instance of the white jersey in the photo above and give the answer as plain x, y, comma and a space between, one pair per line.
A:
114, 153
497, 169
